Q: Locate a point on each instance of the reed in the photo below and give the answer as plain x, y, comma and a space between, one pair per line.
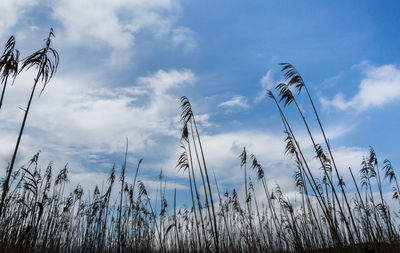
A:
40, 214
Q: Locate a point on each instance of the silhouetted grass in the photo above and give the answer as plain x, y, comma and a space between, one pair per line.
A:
37, 214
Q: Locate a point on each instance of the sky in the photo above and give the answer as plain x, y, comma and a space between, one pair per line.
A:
124, 65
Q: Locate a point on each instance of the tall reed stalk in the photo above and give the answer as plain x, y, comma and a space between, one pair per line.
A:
45, 61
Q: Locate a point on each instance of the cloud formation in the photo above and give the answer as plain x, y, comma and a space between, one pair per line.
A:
239, 101
114, 25
80, 116
101, 25
266, 83
12, 12
183, 36
380, 86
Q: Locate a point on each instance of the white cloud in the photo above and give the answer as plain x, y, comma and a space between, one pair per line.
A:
380, 85
13, 11
170, 185
78, 117
239, 101
114, 25
162, 81
203, 120
331, 81
108, 26
266, 83
185, 37
222, 151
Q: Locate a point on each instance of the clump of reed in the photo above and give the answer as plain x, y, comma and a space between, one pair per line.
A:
39, 214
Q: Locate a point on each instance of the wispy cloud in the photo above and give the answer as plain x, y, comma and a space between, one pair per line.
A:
183, 36
331, 81
266, 83
13, 12
239, 101
380, 86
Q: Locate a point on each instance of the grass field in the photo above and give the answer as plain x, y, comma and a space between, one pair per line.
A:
38, 214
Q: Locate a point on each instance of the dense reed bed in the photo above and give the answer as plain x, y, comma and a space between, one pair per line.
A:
38, 214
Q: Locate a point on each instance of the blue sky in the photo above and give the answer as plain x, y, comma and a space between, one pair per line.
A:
125, 64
